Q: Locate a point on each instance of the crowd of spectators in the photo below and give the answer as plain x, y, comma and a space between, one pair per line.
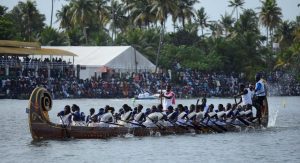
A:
186, 83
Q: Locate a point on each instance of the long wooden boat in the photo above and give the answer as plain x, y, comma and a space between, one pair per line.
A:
40, 103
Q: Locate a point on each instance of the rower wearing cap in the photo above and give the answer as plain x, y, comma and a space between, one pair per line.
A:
152, 118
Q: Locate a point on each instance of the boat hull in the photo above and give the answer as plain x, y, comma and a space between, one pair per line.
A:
42, 128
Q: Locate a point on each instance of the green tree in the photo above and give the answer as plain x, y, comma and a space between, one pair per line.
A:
102, 12
201, 19
64, 17
162, 8
119, 21
51, 37
7, 28
140, 12
284, 34
185, 11
236, 4
270, 16
28, 19
248, 22
227, 23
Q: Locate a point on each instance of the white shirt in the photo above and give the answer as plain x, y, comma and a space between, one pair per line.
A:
168, 102
247, 98
261, 91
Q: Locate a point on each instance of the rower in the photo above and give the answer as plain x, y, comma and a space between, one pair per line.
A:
139, 117
65, 116
199, 113
100, 114
161, 116
107, 117
246, 98
126, 116
192, 113
181, 118
92, 118
147, 112
211, 115
221, 112
152, 118
76, 118
171, 116
204, 100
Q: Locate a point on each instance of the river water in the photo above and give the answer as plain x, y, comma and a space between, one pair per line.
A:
280, 142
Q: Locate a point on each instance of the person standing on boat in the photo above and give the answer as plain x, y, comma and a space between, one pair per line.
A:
169, 98
260, 95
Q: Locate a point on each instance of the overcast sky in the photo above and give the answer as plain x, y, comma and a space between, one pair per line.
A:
214, 8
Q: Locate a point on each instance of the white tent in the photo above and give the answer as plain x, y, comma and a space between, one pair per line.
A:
119, 58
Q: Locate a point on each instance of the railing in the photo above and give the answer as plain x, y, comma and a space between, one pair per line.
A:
33, 64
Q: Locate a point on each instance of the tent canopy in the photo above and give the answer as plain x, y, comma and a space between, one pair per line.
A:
116, 57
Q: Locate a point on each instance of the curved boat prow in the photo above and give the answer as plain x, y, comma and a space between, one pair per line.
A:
39, 104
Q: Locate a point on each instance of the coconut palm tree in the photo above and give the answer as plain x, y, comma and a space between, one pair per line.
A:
63, 17
201, 19
101, 10
185, 10
284, 33
81, 12
140, 12
236, 4
52, 3
161, 8
216, 29
270, 16
30, 22
119, 19
248, 22
226, 22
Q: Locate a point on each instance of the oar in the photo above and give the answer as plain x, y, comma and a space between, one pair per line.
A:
193, 126
159, 126
112, 123
141, 125
210, 127
64, 127
219, 126
161, 92
197, 102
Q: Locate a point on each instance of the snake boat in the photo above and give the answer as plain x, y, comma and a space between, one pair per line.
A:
41, 128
